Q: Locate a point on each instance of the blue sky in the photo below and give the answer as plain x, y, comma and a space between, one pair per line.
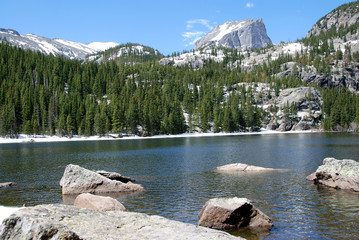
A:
166, 25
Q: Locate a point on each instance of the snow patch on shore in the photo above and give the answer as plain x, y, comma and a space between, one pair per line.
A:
44, 138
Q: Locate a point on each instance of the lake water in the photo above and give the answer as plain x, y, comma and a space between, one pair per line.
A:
178, 177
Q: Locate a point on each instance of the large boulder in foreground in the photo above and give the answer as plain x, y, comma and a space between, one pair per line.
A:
78, 180
100, 203
233, 213
339, 174
69, 222
242, 167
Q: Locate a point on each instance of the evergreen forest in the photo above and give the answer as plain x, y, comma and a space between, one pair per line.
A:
49, 95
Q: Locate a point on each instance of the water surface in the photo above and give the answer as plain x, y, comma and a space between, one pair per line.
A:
178, 177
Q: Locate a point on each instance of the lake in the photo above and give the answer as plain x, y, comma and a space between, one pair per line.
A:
178, 176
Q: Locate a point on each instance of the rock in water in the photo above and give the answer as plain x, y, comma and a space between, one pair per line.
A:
100, 203
242, 167
243, 35
339, 174
69, 222
233, 213
7, 184
78, 180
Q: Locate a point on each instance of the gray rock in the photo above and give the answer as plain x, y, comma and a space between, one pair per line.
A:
69, 222
247, 34
78, 180
7, 184
100, 203
339, 174
338, 17
303, 125
233, 213
285, 126
242, 167
303, 97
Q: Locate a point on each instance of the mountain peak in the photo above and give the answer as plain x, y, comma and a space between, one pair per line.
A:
56, 47
9, 31
246, 34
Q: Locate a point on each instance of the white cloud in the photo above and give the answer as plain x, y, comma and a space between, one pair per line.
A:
197, 28
249, 5
204, 22
191, 37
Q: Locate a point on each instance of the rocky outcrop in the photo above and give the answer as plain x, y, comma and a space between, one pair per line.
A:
342, 77
345, 15
7, 184
241, 167
233, 213
306, 101
243, 35
100, 203
69, 222
78, 180
339, 174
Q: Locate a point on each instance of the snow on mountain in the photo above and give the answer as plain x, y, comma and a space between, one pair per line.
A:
102, 46
197, 58
247, 34
126, 52
56, 47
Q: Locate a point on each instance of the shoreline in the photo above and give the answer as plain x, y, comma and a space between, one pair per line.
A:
114, 137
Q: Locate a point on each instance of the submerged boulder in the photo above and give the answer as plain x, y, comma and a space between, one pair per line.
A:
339, 174
78, 180
100, 203
7, 184
69, 222
242, 167
233, 213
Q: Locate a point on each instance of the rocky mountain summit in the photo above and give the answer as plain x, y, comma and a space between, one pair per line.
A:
56, 47
247, 34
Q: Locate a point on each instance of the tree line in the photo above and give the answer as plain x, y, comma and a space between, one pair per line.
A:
50, 95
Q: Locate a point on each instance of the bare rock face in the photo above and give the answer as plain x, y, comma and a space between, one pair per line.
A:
7, 184
69, 222
78, 180
339, 174
233, 213
242, 167
100, 203
243, 35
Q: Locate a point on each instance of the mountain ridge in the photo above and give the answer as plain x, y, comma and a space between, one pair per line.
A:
56, 46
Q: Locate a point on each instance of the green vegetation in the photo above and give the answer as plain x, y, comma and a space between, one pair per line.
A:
128, 53
134, 94
51, 95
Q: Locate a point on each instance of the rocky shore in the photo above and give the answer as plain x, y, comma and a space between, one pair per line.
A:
74, 223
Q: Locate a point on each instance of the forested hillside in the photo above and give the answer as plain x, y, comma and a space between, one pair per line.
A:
312, 83
53, 95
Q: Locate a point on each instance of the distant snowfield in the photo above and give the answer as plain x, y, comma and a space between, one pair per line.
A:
39, 138
6, 212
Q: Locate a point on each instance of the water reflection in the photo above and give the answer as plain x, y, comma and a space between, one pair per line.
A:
178, 177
